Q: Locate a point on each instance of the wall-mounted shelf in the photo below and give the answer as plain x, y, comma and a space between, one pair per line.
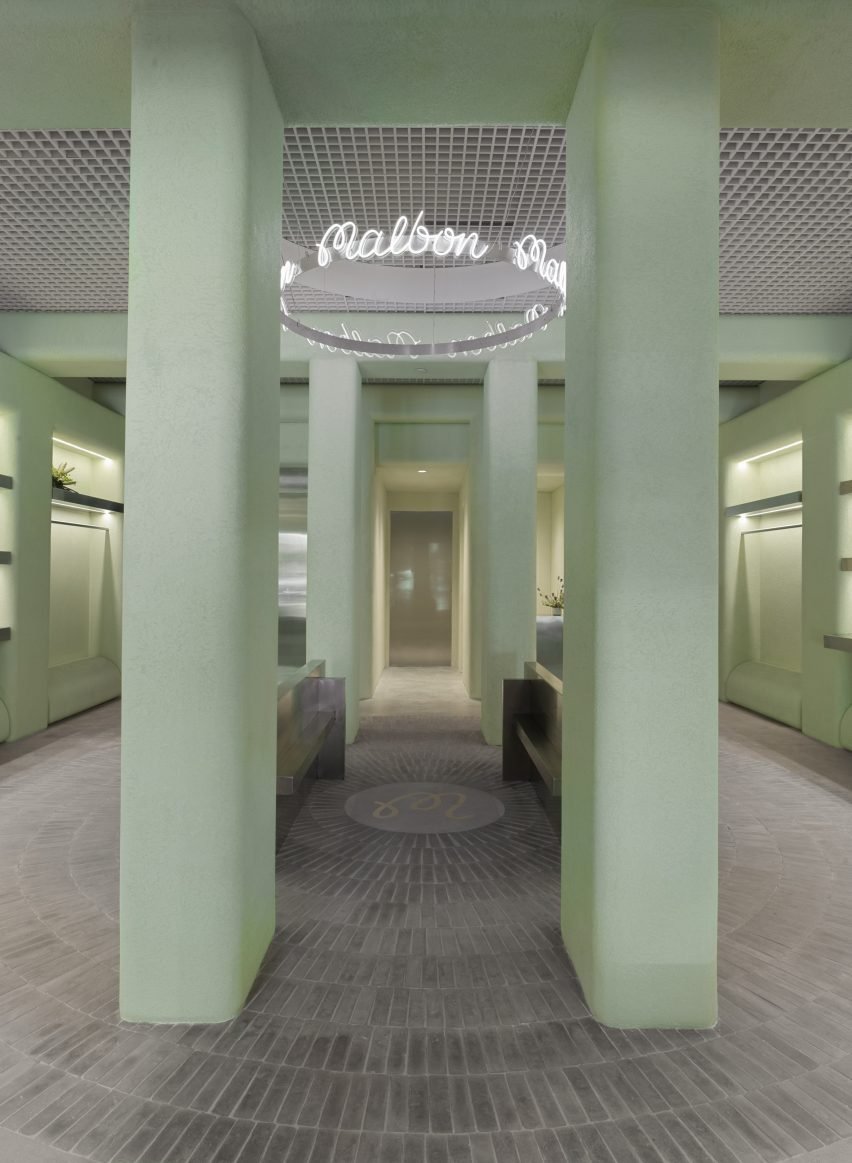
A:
5, 481
83, 501
757, 508
5, 633
846, 564
838, 642
5, 557
844, 487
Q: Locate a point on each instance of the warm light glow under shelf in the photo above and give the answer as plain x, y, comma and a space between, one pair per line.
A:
79, 448
772, 452
88, 508
765, 512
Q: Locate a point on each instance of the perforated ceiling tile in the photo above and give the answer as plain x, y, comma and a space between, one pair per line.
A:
786, 208
786, 221
63, 220
503, 181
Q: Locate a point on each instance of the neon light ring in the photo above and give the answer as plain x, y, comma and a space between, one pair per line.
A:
522, 266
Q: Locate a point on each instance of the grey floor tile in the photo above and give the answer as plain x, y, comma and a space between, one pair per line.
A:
416, 1005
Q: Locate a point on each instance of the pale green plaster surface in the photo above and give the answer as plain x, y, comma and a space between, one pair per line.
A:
34, 408
782, 347
508, 513
818, 412
406, 441
199, 713
784, 62
336, 553
753, 347
639, 753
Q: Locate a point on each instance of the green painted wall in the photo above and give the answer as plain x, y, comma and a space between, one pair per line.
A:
407, 441
783, 62
339, 472
819, 412
751, 347
199, 708
641, 427
507, 508
34, 408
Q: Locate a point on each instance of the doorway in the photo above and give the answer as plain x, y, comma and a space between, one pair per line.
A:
421, 588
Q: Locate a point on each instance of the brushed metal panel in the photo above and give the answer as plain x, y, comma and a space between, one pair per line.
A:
292, 564
421, 588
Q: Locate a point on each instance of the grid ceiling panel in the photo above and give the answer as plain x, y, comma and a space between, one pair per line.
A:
786, 221
786, 208
501, 181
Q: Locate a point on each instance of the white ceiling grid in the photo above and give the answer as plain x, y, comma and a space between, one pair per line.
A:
786, 208
786, 221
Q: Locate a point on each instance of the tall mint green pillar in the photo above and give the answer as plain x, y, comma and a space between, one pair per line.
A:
640, 747
200, 633
507, 501
336, 600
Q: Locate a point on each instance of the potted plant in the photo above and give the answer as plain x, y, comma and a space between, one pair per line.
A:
62, 479
556, 601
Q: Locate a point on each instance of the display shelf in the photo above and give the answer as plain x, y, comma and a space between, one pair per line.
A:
846, 564
5, 633
844, 487
5, 481
838, 642
5, 557
84, 501
763, 505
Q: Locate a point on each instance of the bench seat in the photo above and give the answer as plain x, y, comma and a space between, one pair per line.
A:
769, 690
76, 686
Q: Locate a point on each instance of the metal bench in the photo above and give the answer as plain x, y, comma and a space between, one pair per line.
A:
532, 735
311, 737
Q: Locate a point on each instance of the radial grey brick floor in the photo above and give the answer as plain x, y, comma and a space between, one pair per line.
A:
416, 1005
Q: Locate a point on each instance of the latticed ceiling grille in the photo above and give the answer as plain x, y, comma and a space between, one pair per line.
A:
786, 221
786, 207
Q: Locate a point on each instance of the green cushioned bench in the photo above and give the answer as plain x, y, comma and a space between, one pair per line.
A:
769, 690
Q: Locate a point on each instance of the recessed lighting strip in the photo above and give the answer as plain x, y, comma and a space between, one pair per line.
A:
772, 452
783, 503
79, 448
88, 508
764, 512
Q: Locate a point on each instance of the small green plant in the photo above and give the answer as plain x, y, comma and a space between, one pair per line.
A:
62, 478
554, 601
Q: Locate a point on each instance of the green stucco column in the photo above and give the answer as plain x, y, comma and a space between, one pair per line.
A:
507, 500
336, 549
826, 525
199, 714
640, 750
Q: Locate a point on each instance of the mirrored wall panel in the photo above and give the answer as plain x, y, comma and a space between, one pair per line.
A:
421, 588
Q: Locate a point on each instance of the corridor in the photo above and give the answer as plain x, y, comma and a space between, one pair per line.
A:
416, 1005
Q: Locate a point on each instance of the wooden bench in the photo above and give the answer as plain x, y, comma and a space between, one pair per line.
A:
311, 737
532, 735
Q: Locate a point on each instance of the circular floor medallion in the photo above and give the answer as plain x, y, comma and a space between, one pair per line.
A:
424, 807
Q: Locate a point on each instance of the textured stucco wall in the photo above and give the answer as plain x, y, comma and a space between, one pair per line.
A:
640, 733
199, 709
508, 515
